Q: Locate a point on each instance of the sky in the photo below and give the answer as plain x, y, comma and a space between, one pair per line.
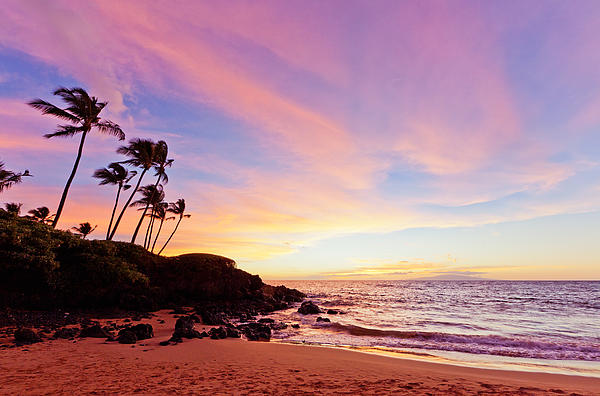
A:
329, 139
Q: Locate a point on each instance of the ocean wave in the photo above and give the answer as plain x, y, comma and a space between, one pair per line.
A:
588, 349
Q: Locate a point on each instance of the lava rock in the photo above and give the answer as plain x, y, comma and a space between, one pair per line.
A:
296, 326
66, 332
212, 318
217, 333
332, 312
320, 319
266, 320
309, 308
232, 332
95, 331
184, 328
278, 326
143, 331
26, 336
256, 331
164, 343
127, 337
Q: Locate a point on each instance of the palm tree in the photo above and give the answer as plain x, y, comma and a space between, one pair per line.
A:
82, 112
151, 195
13, 208
115, 174
161, 162
9, 178
160, 213
41, 215
177, 208
84, 229
141, 153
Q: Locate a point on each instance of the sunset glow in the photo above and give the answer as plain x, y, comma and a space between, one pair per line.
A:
342, 140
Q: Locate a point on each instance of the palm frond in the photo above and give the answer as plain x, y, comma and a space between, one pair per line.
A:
49, 108
65, 131
110, 128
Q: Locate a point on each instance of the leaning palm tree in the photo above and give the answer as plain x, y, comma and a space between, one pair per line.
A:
10, 178
82, 113
161, 162
84, 229
115, 174
178, 209
13, 208
141, 153
152, 195
41, 215
160, 213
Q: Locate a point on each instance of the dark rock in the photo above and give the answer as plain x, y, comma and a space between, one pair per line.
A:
178, 311
161, 321
278, 326
296, 326
232, 332
184, 328
217, 333
266, 320
66, 332
26, 336
95, 331
195, 318
143, 331
256, 331
164, 343
127, 337
320, 319
332, 312
212, 318
204, 334
309, 308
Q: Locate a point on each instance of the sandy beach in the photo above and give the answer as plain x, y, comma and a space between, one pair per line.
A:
233, 366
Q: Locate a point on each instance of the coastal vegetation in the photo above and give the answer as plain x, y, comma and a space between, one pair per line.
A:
82, 116
45, 268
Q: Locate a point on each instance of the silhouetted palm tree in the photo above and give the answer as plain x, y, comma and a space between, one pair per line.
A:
151, 195
115, 174
141, 153
13, 208
82, 112
41, 215
84, 229
161, 162
178, 209
160, 213
9, 178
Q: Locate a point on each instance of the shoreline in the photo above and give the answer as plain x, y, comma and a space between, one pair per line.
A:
440, 359
234, 366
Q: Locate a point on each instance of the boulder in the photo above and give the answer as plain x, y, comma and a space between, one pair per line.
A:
309, 308
184, 328
296, 326
95, 331
266, 320
26, 336
278, 326
232, 332
217, 333
66, 332
332, 312
143, 331
127, 336
320, 319
212, 318
256, 331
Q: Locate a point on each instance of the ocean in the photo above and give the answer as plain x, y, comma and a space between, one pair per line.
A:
551, 326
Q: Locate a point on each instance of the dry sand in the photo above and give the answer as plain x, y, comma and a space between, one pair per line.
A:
231, 366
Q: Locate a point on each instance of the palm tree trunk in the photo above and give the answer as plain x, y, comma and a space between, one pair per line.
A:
148, 238
151, 229
157, 234
137, 229
170, 236
63, 198
112, 216
112, 234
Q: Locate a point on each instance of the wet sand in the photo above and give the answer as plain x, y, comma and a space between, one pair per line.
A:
232, 366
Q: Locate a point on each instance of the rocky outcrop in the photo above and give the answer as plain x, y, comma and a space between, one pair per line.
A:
309, 308
184, 328
320, 319
66, 332
332, 312
26, 336
95, 331
127, 336
256, 331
